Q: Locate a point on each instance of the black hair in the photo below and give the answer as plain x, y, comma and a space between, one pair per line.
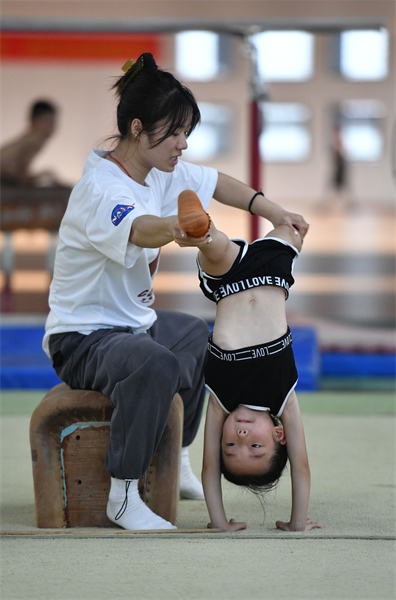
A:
40, 108
263, 482
156, 98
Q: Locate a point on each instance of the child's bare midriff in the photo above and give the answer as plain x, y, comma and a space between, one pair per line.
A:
261, 318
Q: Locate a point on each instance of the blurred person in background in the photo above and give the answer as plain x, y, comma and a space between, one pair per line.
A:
17, 155
338, 189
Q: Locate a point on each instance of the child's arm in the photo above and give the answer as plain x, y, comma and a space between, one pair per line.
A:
211, 476
299, 468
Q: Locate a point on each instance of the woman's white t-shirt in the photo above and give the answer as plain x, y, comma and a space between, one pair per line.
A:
100, 278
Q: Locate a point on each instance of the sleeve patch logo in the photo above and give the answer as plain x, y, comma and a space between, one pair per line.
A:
120, 212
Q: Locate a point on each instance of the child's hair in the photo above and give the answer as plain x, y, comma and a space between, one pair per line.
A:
266, 481
155, 97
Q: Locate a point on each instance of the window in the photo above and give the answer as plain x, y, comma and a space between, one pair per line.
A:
361, 124
213, 136
363, 55
286, 136
285, 55
202, 55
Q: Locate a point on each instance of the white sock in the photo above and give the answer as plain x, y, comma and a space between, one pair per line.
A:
190, 486
126, 508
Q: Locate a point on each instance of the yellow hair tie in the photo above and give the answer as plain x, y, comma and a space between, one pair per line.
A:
128, 65
138, 65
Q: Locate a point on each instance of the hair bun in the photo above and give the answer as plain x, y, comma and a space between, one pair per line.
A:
131, 69
148, 61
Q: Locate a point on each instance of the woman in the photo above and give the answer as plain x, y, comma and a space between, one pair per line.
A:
101, 332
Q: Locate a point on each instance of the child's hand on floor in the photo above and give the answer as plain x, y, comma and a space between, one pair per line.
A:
232, 525
287, 526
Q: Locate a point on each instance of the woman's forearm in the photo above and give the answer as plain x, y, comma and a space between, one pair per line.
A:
149, 231
234, 193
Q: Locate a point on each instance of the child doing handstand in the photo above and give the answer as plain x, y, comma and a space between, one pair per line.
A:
253, 421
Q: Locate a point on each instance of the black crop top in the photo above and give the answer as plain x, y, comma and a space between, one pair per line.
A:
259, 377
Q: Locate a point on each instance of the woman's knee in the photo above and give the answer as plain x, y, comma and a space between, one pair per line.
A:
157, 376
163, 367
135, 357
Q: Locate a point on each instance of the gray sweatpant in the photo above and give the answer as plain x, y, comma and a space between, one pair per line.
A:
140, 374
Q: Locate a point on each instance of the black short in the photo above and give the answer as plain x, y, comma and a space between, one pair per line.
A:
261, 376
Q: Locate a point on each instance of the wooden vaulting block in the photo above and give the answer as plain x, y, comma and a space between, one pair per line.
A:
86, 483
69, 436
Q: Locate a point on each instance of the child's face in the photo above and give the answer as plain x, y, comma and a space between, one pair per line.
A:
249, 439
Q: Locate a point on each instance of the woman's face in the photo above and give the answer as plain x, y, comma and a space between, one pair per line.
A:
249, 439
165, 155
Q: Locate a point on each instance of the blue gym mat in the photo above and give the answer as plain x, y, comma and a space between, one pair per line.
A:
24, 364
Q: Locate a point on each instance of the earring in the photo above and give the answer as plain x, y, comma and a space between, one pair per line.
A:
135, 134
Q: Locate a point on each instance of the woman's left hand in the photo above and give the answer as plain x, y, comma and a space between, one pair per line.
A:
293, 220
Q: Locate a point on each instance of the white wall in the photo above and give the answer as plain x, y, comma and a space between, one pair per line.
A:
88, 114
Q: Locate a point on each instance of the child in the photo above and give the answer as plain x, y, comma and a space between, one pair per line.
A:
250, 369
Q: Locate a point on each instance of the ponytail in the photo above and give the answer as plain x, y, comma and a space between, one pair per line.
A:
156, 98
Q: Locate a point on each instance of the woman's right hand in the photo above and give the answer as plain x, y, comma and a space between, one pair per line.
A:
183, 240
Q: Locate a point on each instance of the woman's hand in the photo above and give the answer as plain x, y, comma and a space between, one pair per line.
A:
288, 527
293, 220
183, 240
232, 525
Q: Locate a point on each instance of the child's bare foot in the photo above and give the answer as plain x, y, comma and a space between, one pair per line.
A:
192, 217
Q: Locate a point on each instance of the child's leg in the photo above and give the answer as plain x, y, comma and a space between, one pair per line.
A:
288, 234
219, 253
